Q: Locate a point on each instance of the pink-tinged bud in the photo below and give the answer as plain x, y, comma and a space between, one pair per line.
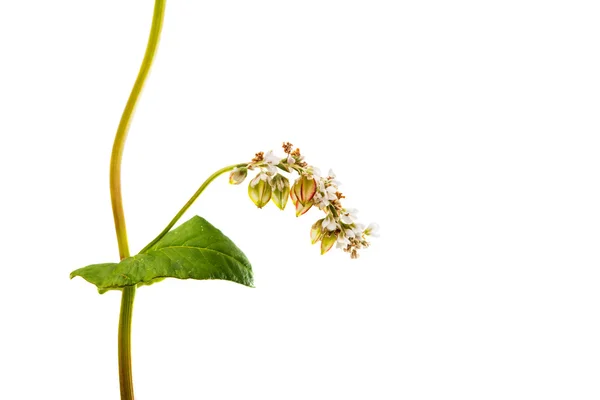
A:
302, 209
293, 195
316, 232
260, 194
302, 193
281, 191
238, 175
327, 242
304, 189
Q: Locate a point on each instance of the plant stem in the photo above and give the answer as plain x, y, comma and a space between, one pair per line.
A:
190, 202
125, 376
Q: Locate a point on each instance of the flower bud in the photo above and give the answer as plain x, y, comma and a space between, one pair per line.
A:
284, 166
302, 193
260, 193
301, 209
327, 242
238, 175
316, 232
281, 191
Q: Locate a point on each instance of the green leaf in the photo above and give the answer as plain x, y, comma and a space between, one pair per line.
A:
194, 250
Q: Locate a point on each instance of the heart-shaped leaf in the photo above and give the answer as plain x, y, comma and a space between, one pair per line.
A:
194, 250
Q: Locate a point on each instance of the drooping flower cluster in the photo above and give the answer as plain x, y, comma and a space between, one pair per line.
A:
339, 225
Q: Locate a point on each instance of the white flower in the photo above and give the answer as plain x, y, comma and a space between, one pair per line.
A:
358, 230
372, 230
320, 201
271, 162
349, 216
332, 180
314, 171
330, 193
271, 158
329, 223
342, 242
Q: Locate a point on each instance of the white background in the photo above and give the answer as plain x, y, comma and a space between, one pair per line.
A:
467, 129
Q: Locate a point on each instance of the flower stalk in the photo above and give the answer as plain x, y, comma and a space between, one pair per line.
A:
191, 201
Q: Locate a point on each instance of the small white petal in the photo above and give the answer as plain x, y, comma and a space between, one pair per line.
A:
271, 168
372, 229
255, 180
321, 185
346, 219
330, 193
352, 211
331, 227
271, 158
343, 240
331, 173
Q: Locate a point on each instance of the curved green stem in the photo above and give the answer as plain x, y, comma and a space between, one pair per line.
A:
121, 136
125, 376
190, 202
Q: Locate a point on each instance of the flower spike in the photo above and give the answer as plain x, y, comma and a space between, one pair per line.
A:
310, 189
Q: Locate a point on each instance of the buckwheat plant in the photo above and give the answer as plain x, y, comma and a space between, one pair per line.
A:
198, 250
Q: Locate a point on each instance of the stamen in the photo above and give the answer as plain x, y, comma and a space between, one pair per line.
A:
287, 147
258, 157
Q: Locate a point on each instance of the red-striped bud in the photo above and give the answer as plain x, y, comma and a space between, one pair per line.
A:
316, 231
302, 193
327, 242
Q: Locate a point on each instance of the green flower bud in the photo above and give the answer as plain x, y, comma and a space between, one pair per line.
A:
327, 242
238, 175
281, 191
260, 193
316, 231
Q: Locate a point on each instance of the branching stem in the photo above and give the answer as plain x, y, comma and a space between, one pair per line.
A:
190, 202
